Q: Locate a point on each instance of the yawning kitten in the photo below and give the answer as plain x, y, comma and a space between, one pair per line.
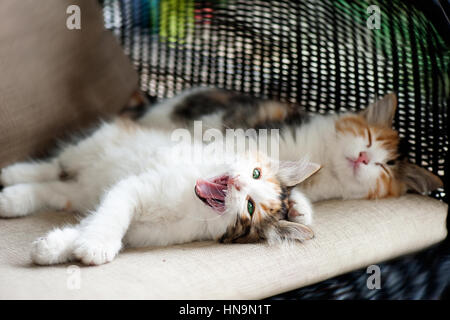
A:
359, 152
141, 188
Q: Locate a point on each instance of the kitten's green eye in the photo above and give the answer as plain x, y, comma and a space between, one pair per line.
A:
256, 173
250, 206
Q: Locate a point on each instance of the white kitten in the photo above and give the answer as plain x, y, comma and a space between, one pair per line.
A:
141, 188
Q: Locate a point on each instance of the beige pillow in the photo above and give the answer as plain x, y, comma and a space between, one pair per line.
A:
54, 80
348, 235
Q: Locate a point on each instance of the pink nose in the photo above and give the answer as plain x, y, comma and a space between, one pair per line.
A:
363, 157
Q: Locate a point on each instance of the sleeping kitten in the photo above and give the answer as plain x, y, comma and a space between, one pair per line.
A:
359, 152
141, 188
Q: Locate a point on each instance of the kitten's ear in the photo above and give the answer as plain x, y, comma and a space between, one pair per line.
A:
381, 112
417, 178
287, 230
292, 173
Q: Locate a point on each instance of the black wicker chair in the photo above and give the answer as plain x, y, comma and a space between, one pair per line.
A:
324, 55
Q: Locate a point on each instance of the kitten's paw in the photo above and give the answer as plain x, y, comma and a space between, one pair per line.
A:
28, 172
45, 252
95, 252
54, 248
301, 214
5, 179
300, 209
11, 175
15, 201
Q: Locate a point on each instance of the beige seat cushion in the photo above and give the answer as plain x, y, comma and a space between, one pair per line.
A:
54, 80
349, 235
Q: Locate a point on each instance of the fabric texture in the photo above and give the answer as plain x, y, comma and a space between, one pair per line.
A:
54, 80
348, 235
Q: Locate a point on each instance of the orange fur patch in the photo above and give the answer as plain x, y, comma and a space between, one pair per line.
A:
355, 125
386, 186
272, 180
388, 138
272, 111
375, 194
264, 207
268, 209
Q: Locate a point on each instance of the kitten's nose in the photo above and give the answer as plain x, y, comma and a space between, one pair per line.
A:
363, 157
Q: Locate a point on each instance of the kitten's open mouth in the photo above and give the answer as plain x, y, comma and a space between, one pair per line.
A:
213, 192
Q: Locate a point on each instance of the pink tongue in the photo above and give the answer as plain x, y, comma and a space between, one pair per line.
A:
211, 190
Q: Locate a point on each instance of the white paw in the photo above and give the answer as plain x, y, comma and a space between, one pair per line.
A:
11, 175
6, 179
55, 248
305, 214
95, 252
16, 201
43, 252
28, 172
300, 209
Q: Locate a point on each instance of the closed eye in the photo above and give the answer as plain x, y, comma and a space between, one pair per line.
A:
369, 137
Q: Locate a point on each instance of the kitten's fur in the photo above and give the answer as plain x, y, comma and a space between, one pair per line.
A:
141, 188
359, 152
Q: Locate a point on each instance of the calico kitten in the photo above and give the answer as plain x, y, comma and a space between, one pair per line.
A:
141, 188
216, 108
359, 152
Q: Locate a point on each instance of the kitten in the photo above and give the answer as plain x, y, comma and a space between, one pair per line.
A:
359, 152
141, 188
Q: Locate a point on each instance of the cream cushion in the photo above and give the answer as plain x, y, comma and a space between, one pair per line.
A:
55, 81
349, 235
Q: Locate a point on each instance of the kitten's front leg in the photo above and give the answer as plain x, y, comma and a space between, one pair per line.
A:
30, 172
300, 208
101, 233
23, 199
